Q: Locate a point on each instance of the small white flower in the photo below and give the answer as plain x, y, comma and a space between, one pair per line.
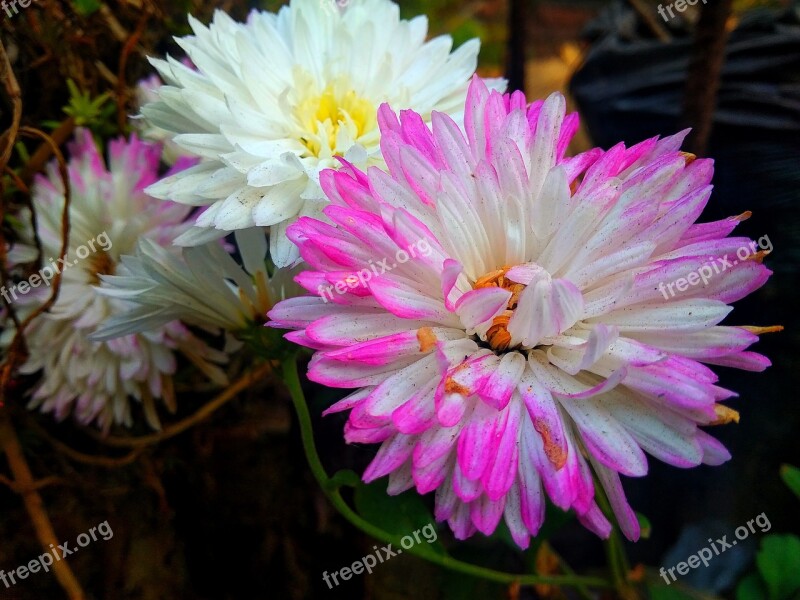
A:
206, 287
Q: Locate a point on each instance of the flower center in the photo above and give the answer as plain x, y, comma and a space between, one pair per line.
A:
498, 337
333, 120
100, 263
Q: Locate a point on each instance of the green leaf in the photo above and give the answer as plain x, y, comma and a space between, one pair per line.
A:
779, 564
662, 591
751, 588
266, 342
399, 515
644, 525
87, 7
791, 477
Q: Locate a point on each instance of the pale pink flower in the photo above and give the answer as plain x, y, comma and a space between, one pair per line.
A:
109, 213
531, 347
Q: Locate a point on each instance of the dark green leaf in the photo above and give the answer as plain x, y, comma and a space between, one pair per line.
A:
779, 564
87, 7
751, 588
399, 515
791, 477
644, 525
677, 591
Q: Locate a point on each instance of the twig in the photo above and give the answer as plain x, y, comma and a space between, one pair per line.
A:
23, 479
110, 462
647, 15
123, 63
226, 396
515, 59
37, 485
16, 348
45, 150
7, 140
705, 69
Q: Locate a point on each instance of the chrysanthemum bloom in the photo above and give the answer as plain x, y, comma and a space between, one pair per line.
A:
277, 99
204, 287
109, 213
146, 93
531, 346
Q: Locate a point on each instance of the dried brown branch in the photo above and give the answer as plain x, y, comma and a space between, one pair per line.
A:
705, 71
168, 432
122, 90
16, 350
109, 462
9, 442
25, 482
9, 137
37, 485
45, 150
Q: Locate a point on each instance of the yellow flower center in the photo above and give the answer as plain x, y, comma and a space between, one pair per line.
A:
498, 337
100, 263
334, 119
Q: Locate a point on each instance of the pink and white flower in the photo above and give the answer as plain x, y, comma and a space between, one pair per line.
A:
532, 347
95, 381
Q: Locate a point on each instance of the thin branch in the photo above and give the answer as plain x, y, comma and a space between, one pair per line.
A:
37, 485
16, 349
110, 462
123, 63
23, 479
705, 71
8, 139
177, 428
515, 50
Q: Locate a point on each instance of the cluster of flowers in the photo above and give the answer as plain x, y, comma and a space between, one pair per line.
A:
508, 364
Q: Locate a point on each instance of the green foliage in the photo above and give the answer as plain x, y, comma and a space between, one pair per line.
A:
644, 525
95, 113
86, 7
399, 515
778, 576
779, 565
674, 591
791, 477
751, 588
457, 586
266, 342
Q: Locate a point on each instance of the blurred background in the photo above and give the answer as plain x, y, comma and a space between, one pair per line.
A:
229, 510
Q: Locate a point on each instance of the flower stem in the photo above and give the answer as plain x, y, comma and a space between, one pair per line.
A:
615, 547
332, 489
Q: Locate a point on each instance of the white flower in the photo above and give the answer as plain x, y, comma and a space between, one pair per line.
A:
207, 287
109, 213
279, 98
147, 92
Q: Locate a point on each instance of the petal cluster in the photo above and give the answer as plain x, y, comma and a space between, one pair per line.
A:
275, 100
204, 287
529, 348
109, 212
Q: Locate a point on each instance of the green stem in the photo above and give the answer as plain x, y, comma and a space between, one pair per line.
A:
332, 489
615, 547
